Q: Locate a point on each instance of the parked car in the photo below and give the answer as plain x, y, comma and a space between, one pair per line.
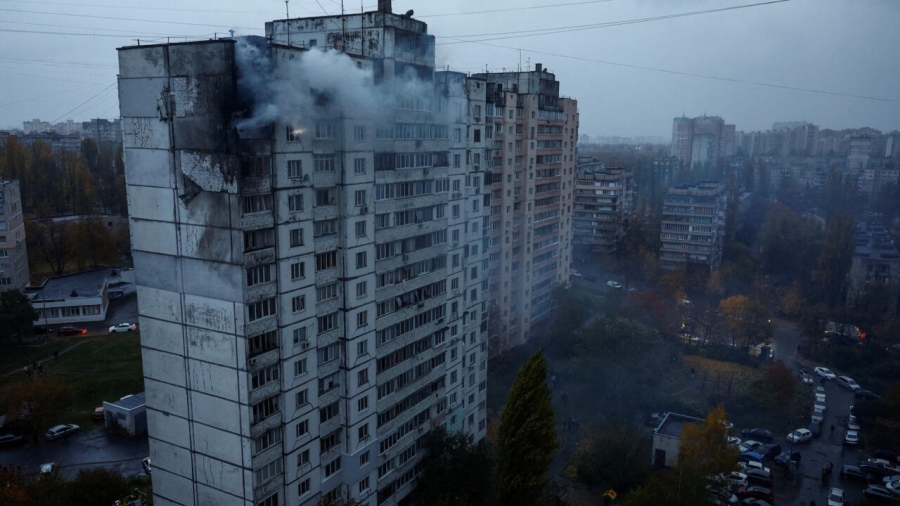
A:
786, 457
819, 406
850, 472
893, 486
753, 465
866, 394
820, 398
575, 273
836, 497
61, 431
756, 492
145, 463
614, 284
853, 425
759, 478
122, 327
815, 428
47, 470
750, 456
97, 415
769, 451
888, 455
755, 502
880, 494
800, 436
848, 383
764, 435
817, 416
824, 372
71, 331
736, 479
805, 378
748, 446
7, 440
877, 467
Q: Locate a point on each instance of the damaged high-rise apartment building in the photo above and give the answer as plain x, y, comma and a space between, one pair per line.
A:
312, 219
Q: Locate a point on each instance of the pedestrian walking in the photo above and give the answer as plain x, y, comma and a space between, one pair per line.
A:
40, 367
26, 370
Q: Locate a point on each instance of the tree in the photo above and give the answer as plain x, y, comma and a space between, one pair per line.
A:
17, 316
613, 458
836, 258
42, 401
526, 439
789, 243
455, 471
96, 486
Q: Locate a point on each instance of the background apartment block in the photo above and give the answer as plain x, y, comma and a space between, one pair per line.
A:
874, 276
309, 291
604, 202
693, 223
533, 133
701, 141
13, 254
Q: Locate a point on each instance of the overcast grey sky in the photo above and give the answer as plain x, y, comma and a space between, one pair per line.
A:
630, 79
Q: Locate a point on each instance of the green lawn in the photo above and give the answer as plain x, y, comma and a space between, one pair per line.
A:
104, 368
17, 356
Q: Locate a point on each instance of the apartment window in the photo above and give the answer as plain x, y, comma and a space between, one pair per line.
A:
364, 485
324, 130
359, 133
360, 228
329, 291
326, 197
298, 303
361, 289
269, 439
295, 202
363, 459
332, 467
272, 500
363, 431
293, 134
327, 260
362, 377
330, 411
259, 274
302, 398
257, 166
267, 375
455, 210
359, 197
298, 270
300, 335
268, 472
362, 348
361, 259
295, 169
362, 318
260, 309
265, 409
256, 204
327, 323
302, 429
300, 367
456, 161
324, 227
262, 343
302, 488
296, 237
362, 404
323, 163
329, 353
359, 165
259, 239
330, 441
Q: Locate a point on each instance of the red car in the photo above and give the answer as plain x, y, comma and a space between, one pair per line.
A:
98, 414
756, 493
71, 331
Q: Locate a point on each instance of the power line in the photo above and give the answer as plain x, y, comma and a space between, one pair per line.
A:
565, 29
205, 11
533, 7
50, 78
122, 19
70, 26
69, 90
56, 63
122, 36
85, 102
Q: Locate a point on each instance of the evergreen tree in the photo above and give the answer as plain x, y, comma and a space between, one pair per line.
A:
526, 440
455, 472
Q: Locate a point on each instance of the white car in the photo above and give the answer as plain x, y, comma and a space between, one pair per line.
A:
836, 497
752, 464
824, 372
736, 441
852, 424
613, 284
893, 486
848, 383
575, 273
122, 327
817, 416
819, 407
749, 445
820, 398
851, 438
799, 436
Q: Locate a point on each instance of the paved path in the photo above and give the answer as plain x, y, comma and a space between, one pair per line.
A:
48, 358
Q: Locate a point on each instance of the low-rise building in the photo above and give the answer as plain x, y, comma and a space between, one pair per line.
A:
81, 297
128, 414
667, 438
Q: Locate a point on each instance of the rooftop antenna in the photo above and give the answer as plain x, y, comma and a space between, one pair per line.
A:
287, 13
231, 32
520, 60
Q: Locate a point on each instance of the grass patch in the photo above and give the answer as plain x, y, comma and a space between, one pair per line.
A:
17, 356
104, 368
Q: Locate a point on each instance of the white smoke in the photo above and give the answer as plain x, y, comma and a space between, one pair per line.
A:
315, 84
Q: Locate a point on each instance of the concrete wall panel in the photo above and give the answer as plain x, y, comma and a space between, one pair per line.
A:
145, 133
167, 427
212, 172
163, 366
213, 279
220, 413
207, 243
155, 237
208, 313
144, 96
160, 304
215, 209
214, 57
162, 272
171, 458
217, 443
168, 485
149, 167
166, 398
213, 379
220, 475
161, 335
142, 62
151, 203
215, 347
207, 495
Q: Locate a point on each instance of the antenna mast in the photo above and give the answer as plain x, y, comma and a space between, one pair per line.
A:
287, 13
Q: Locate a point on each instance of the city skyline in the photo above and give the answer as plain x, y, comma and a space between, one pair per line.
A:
630, 80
